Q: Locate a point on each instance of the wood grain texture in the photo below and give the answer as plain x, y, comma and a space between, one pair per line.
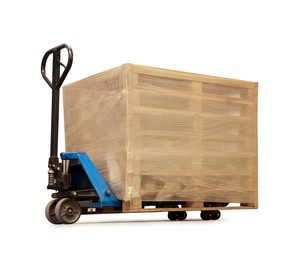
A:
163, 135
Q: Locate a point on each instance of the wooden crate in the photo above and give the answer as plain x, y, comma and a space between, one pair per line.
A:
163, 135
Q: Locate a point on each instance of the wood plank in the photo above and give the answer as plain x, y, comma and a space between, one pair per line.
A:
190, 93
187, 209
159, 72
188, 114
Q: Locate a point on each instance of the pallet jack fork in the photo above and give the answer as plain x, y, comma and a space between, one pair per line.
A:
75, 178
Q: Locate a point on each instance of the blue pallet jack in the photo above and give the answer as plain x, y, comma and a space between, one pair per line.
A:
79, 186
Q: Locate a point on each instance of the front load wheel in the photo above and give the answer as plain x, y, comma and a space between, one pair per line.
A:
216, 214
177, 215
205, 215
172, 215
68, 211
181, 215
50, 212
210, 214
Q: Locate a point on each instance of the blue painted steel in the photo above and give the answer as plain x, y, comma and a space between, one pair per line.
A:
106, 197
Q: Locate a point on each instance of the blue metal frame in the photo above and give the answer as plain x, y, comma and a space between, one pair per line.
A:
105, 195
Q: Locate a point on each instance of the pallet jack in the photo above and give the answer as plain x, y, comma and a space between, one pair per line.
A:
80, 188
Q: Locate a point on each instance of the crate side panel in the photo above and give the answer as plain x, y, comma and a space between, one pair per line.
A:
192, 140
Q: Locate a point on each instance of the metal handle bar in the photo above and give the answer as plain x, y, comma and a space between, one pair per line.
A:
57, 80
55, 84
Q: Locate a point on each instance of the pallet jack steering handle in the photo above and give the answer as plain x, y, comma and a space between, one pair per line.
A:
57, 80
55, 85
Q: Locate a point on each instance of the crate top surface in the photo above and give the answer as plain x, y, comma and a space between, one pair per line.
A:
129, 69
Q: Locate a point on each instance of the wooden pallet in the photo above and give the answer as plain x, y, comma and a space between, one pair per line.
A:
127, 207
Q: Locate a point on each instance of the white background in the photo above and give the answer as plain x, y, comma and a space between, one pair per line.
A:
251, 40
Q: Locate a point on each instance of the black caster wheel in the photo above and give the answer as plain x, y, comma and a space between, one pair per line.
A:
210, 214
68, 211
206, 215
50, 212
215, 214
177, 215
172, 215
181, 215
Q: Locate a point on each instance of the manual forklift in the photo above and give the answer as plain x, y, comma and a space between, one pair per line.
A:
79, 187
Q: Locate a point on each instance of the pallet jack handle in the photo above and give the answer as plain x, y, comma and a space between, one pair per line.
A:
55, 84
